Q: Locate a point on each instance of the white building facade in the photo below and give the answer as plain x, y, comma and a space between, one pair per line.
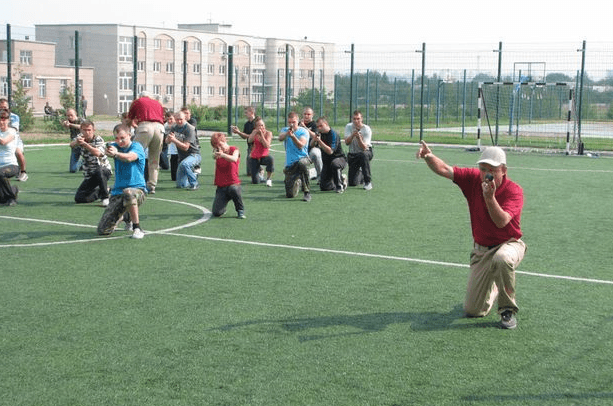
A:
259, 64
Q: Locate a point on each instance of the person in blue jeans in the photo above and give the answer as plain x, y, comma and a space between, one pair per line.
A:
183, 135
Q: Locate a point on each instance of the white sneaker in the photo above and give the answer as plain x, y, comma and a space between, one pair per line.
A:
138, 234
22, 177
105, 202
269, 182
368, 186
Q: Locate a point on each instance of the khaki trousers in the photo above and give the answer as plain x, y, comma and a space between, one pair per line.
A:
151, 135
492, 275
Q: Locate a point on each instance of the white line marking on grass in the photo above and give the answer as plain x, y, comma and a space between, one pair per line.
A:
380, 256
63, 223
206, 215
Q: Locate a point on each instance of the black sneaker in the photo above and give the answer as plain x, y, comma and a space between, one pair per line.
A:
508, 320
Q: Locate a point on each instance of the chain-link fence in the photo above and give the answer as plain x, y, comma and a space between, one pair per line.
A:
406, 92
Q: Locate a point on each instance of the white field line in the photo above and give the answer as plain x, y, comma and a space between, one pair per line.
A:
207, 215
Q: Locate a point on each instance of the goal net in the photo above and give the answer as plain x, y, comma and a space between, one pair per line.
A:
540, 113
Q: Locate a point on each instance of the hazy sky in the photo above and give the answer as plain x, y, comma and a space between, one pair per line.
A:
344, 22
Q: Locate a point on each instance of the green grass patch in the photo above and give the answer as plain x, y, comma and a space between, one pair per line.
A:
321, 303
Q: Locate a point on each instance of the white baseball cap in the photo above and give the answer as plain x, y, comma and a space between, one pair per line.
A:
494, 156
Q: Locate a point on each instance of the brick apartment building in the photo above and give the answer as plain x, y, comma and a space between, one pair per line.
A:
34, 64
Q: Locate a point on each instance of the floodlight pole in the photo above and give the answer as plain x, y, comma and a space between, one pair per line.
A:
9, 60
580, 103
351, 83
421, 101
230, 71
185, 73
287, 82
76, 72
498, 88
135, 67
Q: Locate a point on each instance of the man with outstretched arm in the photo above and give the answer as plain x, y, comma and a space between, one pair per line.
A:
495, 204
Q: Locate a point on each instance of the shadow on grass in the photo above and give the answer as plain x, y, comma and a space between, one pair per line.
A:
43, 236
543, 397
371, 323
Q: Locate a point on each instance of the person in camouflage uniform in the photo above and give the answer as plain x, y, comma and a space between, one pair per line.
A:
96, 166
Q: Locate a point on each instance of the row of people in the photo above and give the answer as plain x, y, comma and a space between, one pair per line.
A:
306, 148
296, 137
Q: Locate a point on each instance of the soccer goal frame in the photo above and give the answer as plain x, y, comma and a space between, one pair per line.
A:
504, 104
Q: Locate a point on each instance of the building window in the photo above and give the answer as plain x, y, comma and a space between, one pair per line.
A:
42, 88
211, 48
26, 80
196, 90
170, 90
142, 43
210, 69
140, 88
140, 66
157, 44
196, 46
124, 103
157, 66
222, 69
258, 76
125, 49
25, 57
210, 91
197, 68
125, 81
170, 67
157, 90
63, 85
170, 44
72, 62
4, 89
222, 91
259, 56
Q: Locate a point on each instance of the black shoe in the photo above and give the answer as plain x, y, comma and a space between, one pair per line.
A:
508, 320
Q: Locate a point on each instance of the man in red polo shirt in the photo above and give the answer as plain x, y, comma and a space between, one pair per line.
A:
494, 204
148, 115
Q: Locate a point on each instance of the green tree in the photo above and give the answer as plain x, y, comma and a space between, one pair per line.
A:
67, 98
21, 105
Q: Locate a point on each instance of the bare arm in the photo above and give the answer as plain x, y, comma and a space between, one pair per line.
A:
7, 139
232, 158
436, 164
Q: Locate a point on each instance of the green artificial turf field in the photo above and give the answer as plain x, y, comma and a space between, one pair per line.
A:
351, 299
